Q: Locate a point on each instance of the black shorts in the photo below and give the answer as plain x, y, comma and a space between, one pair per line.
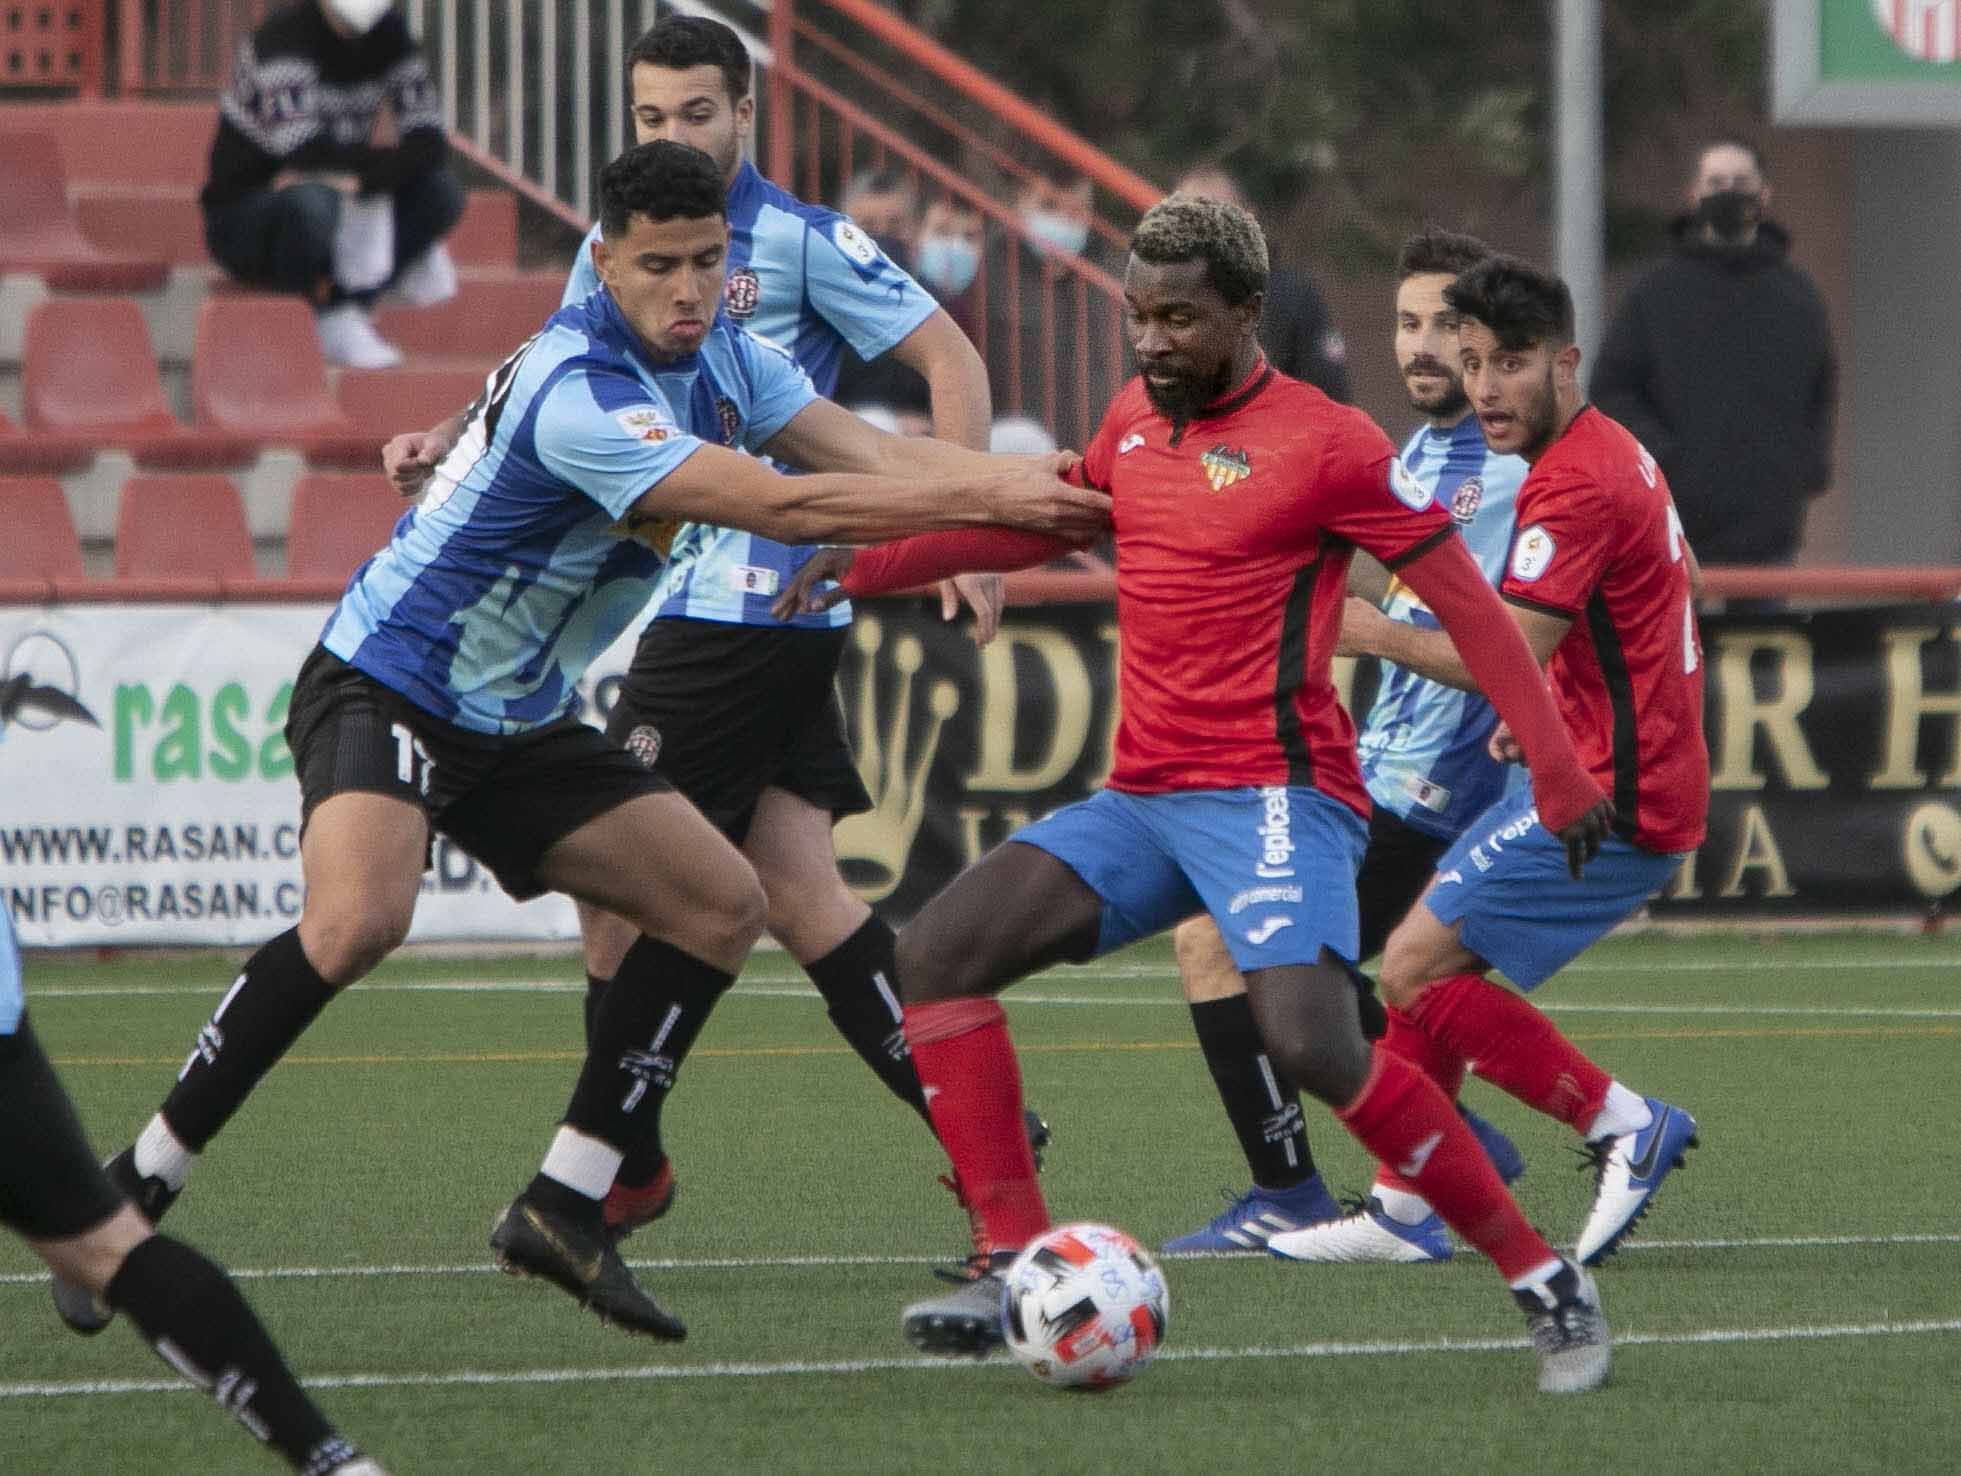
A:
504, 800
722, 711
50, 1184
1396, 868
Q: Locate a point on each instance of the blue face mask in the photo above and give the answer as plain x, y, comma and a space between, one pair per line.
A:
1056, 230
948, 263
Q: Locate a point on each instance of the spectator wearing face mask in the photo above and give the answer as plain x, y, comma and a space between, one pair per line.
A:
884, 204
328, 174
1053, 348
947, 257
1720, 360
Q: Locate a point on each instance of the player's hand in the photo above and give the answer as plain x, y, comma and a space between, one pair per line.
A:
1503, 747
1038, 502
984, 594
801, 595
1359, 620
1584, 835
409, 458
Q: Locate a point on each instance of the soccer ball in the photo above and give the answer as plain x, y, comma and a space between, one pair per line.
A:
1086, 1307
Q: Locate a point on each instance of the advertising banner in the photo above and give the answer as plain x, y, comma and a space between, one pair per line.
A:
157, 804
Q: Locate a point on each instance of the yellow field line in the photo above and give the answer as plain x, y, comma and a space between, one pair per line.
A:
740, 1053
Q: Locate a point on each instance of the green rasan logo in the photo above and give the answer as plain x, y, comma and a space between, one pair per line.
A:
219, 733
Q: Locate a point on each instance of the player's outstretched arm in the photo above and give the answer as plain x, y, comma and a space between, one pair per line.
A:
823, 437
912, 563
732, 490
409, 458
1504, 665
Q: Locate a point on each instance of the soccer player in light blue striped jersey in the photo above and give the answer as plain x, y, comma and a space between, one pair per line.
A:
1423, 757
443, 694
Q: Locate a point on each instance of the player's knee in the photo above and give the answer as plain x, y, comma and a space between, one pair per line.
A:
735, 916
933, 966
1314, 1036
1402, 977
1205, 969
346, 943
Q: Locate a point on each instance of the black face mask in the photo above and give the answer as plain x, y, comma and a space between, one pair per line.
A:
1731, 214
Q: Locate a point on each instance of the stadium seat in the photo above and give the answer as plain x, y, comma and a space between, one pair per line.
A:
338, 521
40, 541
38, 233
486, 236
182, 527
256, 370
487, 319
388, 401
88, 371
170, 226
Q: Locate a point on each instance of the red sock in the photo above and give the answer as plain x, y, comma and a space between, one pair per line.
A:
1422, 1050
1401, 1117
967, 1069
1511, 1044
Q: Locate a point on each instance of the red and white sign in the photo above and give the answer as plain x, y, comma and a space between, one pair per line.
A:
1926, 30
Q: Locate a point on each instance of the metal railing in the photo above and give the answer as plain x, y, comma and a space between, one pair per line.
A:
534, 92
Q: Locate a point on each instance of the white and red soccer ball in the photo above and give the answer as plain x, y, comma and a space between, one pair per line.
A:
1086, 1307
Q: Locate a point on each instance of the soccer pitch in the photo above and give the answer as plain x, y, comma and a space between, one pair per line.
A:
1792, 1304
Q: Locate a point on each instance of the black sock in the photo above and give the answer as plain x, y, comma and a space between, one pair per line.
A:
1264, 1106
859, 986
647, 1021
192, 1314
563, 1200
276, 996
595, 988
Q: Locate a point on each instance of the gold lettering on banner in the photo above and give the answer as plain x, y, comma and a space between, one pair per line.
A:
893, 766
1742, 714
1681, 886
1756, 850
1068, 678
1932, 848
1908, 704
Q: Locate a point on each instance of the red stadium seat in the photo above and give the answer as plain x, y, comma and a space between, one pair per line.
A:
40, 541
338, 521
144, 222
183, 527
486, 236
256, 370
88, 371
38, 233
488, 318
389, 401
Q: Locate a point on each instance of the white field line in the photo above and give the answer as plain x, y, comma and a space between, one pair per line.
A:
832, 1262
1694, 1337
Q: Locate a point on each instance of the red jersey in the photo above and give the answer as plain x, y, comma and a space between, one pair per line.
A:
1233, 536
1598, 541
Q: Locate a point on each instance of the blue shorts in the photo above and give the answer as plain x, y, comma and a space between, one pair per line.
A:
1275, 867
1506, 880
11, 1000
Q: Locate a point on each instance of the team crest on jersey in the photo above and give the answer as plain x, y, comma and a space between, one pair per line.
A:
730, 414
741, 293
1465, 501
1225, 465
647, 423
644, 744
1130, 442
1532, 554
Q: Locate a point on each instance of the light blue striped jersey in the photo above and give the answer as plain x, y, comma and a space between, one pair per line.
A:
12, 999
1422, 748
523, 561
809, 281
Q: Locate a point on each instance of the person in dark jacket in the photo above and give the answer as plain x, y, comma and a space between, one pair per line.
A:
1296, 329
1721, 361
305, 195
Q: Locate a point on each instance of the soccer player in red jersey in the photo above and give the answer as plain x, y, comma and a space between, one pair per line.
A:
1600, 585
1237, 495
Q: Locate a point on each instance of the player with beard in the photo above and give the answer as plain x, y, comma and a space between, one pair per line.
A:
1428, 776
1601, 583
1237, 496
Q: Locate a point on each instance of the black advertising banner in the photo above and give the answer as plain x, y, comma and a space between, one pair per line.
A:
1834, 744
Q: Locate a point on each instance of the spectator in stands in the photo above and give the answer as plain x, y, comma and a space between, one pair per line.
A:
312, 191
884, 204
947, 257
1296, 329
1721, 361
1050, 330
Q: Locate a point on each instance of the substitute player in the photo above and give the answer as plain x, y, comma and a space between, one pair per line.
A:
443, 694
1237, 495
1600, 583
735, 710
1428, 776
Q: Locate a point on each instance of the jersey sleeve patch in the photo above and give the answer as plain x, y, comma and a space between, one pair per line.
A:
648, 423
1532, 553
854, 243
1410, 492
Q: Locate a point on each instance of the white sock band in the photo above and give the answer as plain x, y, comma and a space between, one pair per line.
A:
1624, 1113
1402, 1206
582, 1163
159, 1154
